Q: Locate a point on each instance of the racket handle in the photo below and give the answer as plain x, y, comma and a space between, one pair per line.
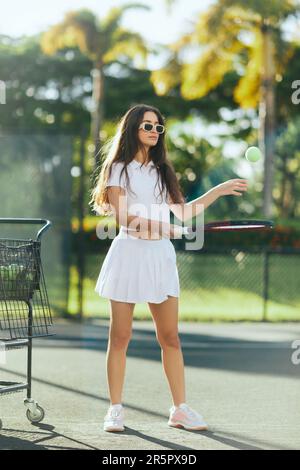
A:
179, 231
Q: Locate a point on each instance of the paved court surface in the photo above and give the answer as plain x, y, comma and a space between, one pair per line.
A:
239, 376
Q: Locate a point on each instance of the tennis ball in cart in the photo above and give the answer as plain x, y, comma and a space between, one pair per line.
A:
3, 273
253, 154
13, 271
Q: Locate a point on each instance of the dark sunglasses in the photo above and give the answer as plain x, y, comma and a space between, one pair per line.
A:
147, 126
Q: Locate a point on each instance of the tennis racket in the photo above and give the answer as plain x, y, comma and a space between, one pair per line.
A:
239, 225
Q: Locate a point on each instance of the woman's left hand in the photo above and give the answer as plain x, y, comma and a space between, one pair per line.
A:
232, 187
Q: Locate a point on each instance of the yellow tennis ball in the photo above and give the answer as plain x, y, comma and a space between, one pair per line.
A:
253, 154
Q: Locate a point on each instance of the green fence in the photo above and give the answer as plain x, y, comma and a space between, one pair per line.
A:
36, 182
216, 285
240, 285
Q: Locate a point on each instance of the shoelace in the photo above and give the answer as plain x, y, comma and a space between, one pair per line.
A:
192, 413
114, 413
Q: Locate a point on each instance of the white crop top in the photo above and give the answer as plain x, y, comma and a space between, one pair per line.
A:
143, 198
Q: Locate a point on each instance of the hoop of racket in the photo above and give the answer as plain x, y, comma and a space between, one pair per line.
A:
238, 225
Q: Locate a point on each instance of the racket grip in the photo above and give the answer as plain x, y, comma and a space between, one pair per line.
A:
179, 231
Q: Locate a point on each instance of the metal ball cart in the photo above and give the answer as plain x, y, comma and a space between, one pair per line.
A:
24, 306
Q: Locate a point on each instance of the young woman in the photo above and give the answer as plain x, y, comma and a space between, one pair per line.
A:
137, 183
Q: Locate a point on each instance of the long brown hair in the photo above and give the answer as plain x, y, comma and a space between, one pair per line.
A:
122, 148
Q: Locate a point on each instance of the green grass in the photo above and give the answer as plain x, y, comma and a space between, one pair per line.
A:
213, 288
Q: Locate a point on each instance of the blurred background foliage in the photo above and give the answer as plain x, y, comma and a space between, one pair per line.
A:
49, 87
81, 75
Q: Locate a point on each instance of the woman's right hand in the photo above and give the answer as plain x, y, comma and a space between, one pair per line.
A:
232, 187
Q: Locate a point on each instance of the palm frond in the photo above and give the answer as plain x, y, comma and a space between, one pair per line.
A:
126, 43
78, 29
168, 77
247, 92
205, 73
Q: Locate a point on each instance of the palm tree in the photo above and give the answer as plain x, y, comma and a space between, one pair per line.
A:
240, 35
104, 42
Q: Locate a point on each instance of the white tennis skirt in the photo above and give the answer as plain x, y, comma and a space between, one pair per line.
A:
136, 270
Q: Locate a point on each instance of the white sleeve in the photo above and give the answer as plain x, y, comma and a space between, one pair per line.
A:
114, 178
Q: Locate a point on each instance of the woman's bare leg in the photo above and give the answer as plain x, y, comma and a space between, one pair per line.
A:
121, 314
165, 316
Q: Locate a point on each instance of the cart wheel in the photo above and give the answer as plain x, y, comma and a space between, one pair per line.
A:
36, 417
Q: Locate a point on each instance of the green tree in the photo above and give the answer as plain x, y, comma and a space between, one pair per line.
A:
49, 99
193, 157
236, 35
103, 41
199, 166
288, 163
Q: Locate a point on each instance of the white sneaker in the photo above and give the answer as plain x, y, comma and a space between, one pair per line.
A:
187, 418
113, 420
